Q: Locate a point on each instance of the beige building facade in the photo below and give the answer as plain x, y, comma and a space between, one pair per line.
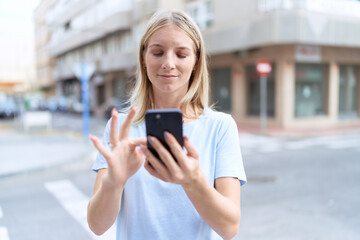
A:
44, 62
314, 48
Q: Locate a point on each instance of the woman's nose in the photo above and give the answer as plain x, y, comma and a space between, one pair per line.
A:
169, 62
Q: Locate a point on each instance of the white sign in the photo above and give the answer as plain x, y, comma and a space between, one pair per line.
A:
89, 69
263, 67
308, 53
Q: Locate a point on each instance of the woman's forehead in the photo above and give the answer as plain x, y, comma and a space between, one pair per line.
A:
171, 35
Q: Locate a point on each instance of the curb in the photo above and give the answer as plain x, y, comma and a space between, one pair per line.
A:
73, 163
81, 158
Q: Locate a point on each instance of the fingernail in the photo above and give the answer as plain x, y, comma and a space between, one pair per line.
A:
151, 139
142, 147
167, 135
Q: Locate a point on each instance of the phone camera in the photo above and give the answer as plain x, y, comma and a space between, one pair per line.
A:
157, 116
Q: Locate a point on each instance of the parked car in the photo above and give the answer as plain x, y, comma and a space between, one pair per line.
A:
75, 105
8, 108
63, 104
52, 104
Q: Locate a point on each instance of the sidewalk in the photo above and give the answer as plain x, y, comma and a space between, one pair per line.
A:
22, 152
300, 132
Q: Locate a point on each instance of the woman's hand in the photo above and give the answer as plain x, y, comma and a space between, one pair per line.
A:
124, 159
185, 170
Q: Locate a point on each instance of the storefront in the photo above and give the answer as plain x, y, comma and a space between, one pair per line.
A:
310, 86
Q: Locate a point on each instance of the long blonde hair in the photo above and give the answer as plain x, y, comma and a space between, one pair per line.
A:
198, 91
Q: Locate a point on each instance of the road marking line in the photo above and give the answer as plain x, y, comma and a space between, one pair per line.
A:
75, 203
1, 213
4, 233
344, 144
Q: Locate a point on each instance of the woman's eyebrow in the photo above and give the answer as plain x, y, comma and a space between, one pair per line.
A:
181, 47
184, 48
155, 45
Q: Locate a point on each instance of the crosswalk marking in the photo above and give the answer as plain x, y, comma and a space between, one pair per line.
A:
1, 213
262, 144
75, 203
4, 233
344, 144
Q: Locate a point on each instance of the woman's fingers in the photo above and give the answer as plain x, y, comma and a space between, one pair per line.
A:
125, 128
152, 171
100, 147
114, 132
138, 141
164, 154
191, 150
155, 163
175, 148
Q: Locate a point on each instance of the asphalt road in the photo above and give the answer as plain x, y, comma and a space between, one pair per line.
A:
297, 189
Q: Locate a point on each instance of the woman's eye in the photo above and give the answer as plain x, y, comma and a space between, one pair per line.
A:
157, 54
181, 56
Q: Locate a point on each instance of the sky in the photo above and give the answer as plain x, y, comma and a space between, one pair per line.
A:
17, 14
17, 39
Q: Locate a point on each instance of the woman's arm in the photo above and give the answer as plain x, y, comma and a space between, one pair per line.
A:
123, 161
219, 206
104, 205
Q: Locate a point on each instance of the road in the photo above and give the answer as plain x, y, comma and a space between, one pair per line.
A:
304, 188
301, 189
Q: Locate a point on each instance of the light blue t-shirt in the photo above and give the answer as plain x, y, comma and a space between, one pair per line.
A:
153, 209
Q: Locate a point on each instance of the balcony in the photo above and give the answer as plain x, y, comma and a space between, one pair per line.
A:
64, 11
121, 61
96, 22
348, 8
291, 22
62, 71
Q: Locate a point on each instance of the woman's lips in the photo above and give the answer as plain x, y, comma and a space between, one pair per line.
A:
167, 76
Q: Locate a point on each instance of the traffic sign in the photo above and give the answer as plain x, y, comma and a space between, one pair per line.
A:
83, 71
263, 68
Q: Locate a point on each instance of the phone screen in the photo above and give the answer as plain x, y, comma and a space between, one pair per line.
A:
158, 121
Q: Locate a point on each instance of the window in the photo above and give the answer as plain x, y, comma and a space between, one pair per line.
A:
201, 12
221, 88
348, 84
310, 90
253, 90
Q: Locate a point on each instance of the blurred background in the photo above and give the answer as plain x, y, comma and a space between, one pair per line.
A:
64, 64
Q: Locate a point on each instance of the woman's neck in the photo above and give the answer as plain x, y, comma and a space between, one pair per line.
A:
171, 101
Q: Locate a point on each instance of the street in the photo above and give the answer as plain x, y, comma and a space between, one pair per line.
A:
298, 188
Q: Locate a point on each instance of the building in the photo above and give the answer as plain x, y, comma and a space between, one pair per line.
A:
44, 62
314, 48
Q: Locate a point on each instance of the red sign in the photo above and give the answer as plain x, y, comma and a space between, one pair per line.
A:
263, 68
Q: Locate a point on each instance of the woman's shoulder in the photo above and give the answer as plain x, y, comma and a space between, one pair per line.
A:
214, 119
217, 116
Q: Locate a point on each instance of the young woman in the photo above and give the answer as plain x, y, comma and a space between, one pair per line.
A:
195, 197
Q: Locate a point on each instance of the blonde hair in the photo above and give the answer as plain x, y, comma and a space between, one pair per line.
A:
198, 91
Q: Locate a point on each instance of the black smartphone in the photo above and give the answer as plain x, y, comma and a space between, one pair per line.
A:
158, 121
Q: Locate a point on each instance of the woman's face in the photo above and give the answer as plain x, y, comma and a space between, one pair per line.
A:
169, 59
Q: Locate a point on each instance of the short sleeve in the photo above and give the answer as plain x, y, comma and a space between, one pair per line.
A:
229, 162
100, 161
